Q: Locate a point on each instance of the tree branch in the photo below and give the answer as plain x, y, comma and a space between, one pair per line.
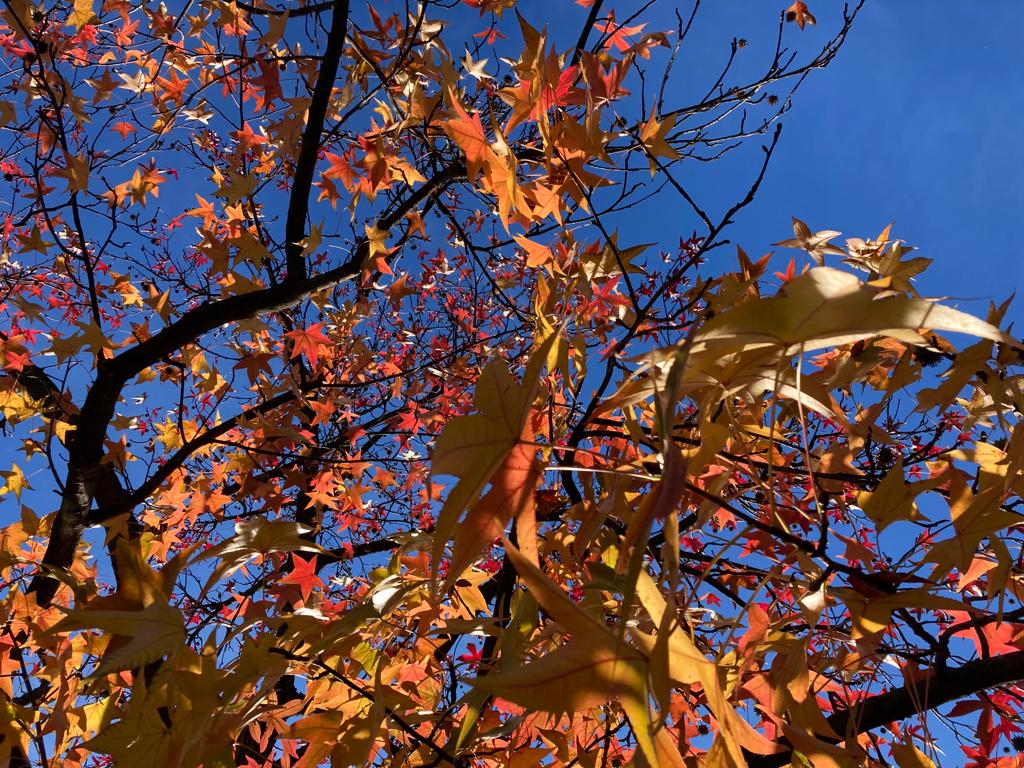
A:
922, 695
305, 166
85, 449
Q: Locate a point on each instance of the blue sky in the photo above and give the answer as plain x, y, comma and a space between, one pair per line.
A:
918, 121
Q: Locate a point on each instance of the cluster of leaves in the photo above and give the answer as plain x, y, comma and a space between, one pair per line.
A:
379, 436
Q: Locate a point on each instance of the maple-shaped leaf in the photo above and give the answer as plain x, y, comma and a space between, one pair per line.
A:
82, 14
537, 255
816, 244
468, 134
990, 639
871, 614
579, 675
825, 307
799, 13
145, 627
618, 35
511, 495
376, 242
310, 342
256, 537
652, 136
975, 516
474, 447
596, 665
893, 499
124, 130
303, 574
14, 737
142, 635
14, 481
345, 733
136, 741
673, 654
475, 69
398, 290
320, 731
76, 171
33, 242
247, 138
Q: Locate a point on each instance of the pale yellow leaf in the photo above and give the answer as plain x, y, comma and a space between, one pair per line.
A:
143, 635
909, 756
825, 307
82, 14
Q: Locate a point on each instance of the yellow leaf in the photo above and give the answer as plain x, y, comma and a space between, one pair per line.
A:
556, 602
974, 516
160, 303
376, 240
593, 667
579, 675
320, 732
893, 499
144, 635
82, 14
34, 242
76, 171
239, 187
256, 537
872, 614
652, 136
824, 307
687, 665
909, 756
12, 733
14, 482
137, 741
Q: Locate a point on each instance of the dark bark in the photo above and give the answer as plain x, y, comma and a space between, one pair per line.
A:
305, 166
944, 686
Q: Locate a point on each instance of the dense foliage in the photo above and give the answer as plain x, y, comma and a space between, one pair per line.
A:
380, 388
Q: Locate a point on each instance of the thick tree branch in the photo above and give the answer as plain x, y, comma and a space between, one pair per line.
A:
293, 13
127, 502
305, 166
922, 695
588, 26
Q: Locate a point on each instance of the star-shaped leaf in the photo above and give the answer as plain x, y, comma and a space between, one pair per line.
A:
816, 244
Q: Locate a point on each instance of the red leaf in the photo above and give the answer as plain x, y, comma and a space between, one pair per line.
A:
310, 342
303, 574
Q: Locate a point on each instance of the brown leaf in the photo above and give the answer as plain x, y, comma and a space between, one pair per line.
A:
799, 13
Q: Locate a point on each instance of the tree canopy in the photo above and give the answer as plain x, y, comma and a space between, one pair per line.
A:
380, 386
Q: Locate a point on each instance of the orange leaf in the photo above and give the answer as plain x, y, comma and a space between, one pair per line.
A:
511, 495
303, 575
478, 449
310, 342
537, 255
468, 133
799, 13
